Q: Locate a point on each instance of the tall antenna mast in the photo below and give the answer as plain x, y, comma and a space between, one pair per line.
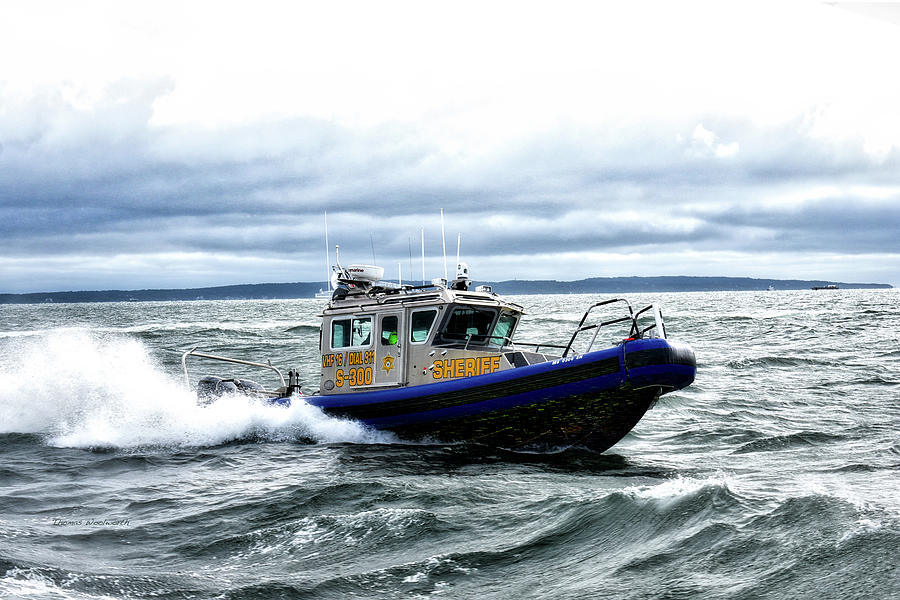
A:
444, 245
327, 256
409, 245
423, 256
458, 238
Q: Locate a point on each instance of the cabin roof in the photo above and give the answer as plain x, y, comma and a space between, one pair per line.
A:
374, 301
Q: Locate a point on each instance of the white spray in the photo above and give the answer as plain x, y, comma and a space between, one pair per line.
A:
80, 389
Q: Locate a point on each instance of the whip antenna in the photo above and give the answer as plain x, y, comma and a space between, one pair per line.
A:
444, 245
327, 256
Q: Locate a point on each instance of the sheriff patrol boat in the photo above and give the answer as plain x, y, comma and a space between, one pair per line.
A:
438, 362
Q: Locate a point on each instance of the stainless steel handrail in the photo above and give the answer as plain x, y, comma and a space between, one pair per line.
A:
236, 361
581, 326
658, 322
635, 331
498, 347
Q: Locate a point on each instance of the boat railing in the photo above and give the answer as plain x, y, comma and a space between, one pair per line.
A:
486, 339
507, 343
537, 346
237, 361
655, 329
636, 329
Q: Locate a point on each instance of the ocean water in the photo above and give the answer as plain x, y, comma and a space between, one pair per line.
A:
775, 475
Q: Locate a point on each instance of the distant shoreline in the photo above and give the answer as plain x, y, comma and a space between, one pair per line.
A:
594, 285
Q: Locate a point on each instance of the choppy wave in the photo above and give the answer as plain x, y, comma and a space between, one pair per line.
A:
789, 441
720, 541
779, 361
773, 476
84, 390
304, 328
197, 328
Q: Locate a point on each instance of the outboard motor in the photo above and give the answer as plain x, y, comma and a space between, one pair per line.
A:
211, 388
208, 390
248, 385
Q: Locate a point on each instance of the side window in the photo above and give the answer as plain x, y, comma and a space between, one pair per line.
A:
361, 331
503, 330
340, 333
420, 324
348, 333
389, 331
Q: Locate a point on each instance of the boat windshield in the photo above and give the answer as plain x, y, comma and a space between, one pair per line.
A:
468, 324
503, 330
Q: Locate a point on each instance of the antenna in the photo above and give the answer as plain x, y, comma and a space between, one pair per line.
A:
327, 256
458, 238
423, 256
444, 245
400, 274
409, 244
372, 240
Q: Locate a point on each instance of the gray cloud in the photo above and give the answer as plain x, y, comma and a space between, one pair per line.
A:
841, 224
104, 182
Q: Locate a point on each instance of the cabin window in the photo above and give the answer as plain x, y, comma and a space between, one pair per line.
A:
389, 331
420, 324
348, 333
468, 324
504, 328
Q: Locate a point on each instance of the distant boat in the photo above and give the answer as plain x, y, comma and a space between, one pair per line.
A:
771, 288
830, 286
323, 294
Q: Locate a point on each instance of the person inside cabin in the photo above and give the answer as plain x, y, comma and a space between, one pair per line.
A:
389, 331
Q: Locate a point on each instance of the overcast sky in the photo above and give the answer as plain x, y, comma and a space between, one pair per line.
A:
183, 144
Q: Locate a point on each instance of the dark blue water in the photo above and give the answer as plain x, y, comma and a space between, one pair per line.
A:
776, 475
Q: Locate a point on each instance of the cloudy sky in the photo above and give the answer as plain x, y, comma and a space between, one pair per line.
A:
174, 144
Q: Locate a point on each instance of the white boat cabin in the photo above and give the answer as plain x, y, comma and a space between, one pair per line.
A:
376, 336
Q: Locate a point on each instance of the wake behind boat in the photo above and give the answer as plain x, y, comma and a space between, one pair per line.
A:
438, 362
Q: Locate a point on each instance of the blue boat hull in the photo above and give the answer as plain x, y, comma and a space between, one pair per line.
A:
593, 400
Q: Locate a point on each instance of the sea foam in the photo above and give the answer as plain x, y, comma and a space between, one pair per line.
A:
82, 389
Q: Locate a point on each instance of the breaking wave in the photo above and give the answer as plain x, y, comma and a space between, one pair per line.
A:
84, 390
